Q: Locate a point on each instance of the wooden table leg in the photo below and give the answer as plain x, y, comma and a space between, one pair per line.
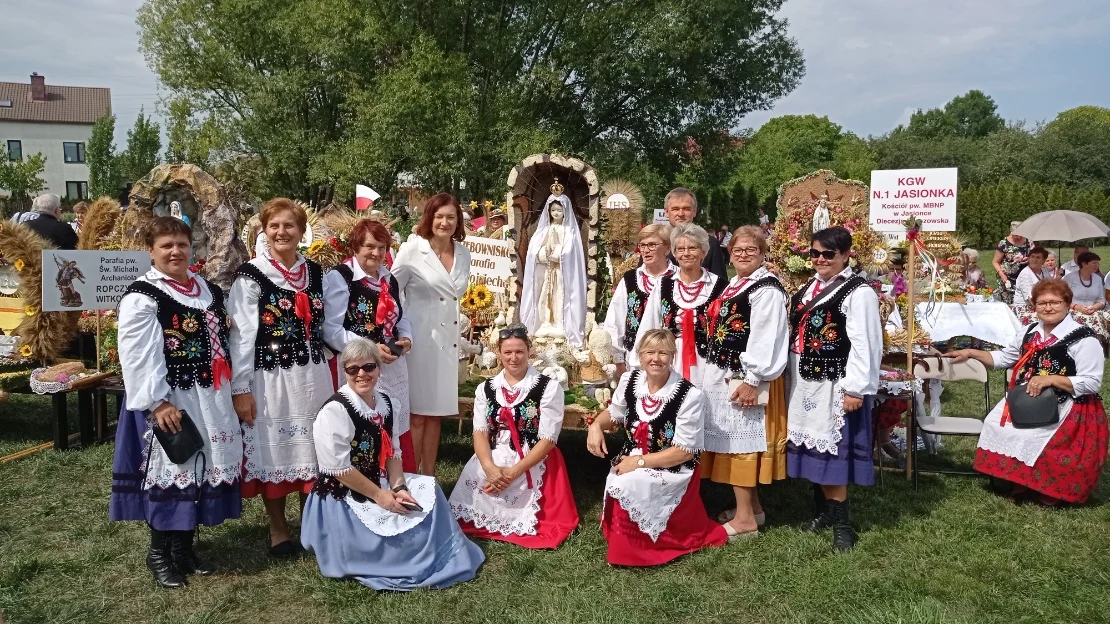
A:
101, 405
86, 418
61, 422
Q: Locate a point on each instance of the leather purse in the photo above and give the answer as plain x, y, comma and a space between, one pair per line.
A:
1028, 412
180, 446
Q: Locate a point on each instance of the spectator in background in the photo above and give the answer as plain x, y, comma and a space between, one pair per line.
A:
79, 211
1072, 266
764, 220
1009, 259
1052, 265
46, 224
681, 206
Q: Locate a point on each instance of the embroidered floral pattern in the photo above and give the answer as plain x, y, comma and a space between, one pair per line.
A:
281, 339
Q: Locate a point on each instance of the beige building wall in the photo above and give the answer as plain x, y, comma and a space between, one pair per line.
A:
47, 139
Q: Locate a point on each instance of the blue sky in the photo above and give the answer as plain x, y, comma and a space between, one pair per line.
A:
869, 63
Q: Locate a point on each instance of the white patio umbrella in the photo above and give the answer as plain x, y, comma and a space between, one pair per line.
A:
1061, 225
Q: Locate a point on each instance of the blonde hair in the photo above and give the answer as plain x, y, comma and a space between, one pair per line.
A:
661, 231
749, 232
661, 339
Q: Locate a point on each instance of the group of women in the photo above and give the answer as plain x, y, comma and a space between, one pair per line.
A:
298, 380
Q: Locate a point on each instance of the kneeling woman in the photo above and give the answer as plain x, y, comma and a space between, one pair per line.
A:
515, 487
366, 519
653, 511
1059, 462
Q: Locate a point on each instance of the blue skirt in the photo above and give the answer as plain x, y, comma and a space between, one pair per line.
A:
433, 554
166, 509
852, 462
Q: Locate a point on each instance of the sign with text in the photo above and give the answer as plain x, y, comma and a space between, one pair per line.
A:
928, 194
661, 216
617, 201
490, 262
88, 280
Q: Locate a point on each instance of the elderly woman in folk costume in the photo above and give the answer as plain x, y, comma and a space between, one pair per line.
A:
369, 294
626, 309
680, 302
366, 519
280, 320
836, 349
553, 299
173, 347
748, 345
1060, 462
653, 511
515, 487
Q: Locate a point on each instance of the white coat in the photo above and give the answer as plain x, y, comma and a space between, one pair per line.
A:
430, 296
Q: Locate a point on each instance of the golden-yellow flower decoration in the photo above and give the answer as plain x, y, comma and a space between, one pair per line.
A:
473, 204
482, 295
315, 247
19, 264
30, 310
477, 298
488, 204
25, 351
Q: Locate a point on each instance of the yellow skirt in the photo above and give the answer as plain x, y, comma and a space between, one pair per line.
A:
749, 469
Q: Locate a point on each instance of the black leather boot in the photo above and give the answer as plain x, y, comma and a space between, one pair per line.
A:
821, 519
185, 558
844, 536
159, 560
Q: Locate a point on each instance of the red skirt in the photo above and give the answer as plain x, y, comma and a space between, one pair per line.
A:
266, 489
408, 456
688, 529
1070, 464
890, 413
558, 515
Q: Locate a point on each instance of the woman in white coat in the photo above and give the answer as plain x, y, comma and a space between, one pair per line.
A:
432, 270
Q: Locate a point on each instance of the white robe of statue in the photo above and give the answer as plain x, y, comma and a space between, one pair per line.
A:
553, 301
821, 214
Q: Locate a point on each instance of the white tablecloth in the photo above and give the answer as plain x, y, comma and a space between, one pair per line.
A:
993, 321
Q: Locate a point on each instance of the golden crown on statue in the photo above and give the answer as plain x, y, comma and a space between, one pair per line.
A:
556, 188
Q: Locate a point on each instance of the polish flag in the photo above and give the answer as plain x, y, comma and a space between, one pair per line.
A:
365, 197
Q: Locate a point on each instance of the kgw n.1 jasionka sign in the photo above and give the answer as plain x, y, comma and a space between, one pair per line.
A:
928, 194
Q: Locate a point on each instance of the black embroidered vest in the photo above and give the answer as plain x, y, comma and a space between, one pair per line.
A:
730, 328
662, 426
1054, 359
186, 342
526, 413
366, 450
823, 326
362, 305
672, 314
281, 339
634, 311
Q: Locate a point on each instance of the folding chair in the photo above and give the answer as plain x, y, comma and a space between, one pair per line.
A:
944, 369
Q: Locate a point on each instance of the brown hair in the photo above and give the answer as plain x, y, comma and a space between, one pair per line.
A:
279, 205
1055, 286
80, 207
434, 203
1039, 251
367, 228
746, 232
165, 226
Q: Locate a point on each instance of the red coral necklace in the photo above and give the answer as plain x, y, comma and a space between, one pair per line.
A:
297, 279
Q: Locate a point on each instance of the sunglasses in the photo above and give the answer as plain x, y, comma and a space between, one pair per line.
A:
827, 254
513, 332
368, 367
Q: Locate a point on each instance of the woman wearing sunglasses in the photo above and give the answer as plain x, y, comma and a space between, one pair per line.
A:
366, 519
745, 438
679, 303
364, 288
836, 346
1055, 463
653, 511
622, 319
515, 487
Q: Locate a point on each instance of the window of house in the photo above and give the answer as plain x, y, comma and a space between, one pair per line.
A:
77, 190
5, 103
74, 152
15, 150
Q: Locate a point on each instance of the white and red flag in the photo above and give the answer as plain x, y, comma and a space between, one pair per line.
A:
365, 197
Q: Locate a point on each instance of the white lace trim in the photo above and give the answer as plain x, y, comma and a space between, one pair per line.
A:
1024, 445
168, 474
730, 428
524, 524
498, 382
652, 524
386, 523
822, 443
335, 472
281, 474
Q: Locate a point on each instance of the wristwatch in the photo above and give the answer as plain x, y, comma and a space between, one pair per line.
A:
401, 488
640, 462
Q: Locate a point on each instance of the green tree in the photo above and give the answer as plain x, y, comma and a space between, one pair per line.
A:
22, 179
1074, 149
144, 141
971, 116
314, 86
853, 158
200, 140
787, 147
100, 155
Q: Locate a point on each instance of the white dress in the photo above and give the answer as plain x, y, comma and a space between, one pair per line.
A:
431, 300
650, 495
278, 446
1026, 445
1092, 293
513, 510
653, 319
394, 379
141, 341
730, 428
1023, 285
815, 409
616, 317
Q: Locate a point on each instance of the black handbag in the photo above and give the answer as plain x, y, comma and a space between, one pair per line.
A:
1027, 412
182, 445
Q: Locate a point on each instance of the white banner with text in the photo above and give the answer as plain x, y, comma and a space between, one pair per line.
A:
928, 194
88, 280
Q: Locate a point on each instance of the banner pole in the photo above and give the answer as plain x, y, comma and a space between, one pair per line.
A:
911, 445
97, 313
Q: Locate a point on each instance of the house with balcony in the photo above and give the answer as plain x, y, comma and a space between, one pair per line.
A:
55, 121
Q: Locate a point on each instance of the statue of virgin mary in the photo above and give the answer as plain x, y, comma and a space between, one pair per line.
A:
553, 298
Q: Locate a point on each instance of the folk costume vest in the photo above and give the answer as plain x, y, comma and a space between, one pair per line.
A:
673, 314
652, 436
521, 421
730, 326
187, 338
818, 330
365, 316
370, 447
288, 335
638, 293
1050, 357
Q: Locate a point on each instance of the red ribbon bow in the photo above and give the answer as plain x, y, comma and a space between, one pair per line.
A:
508, 419
386, 314
221, 372
303, 309
689, 346
387, 442
642, 437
